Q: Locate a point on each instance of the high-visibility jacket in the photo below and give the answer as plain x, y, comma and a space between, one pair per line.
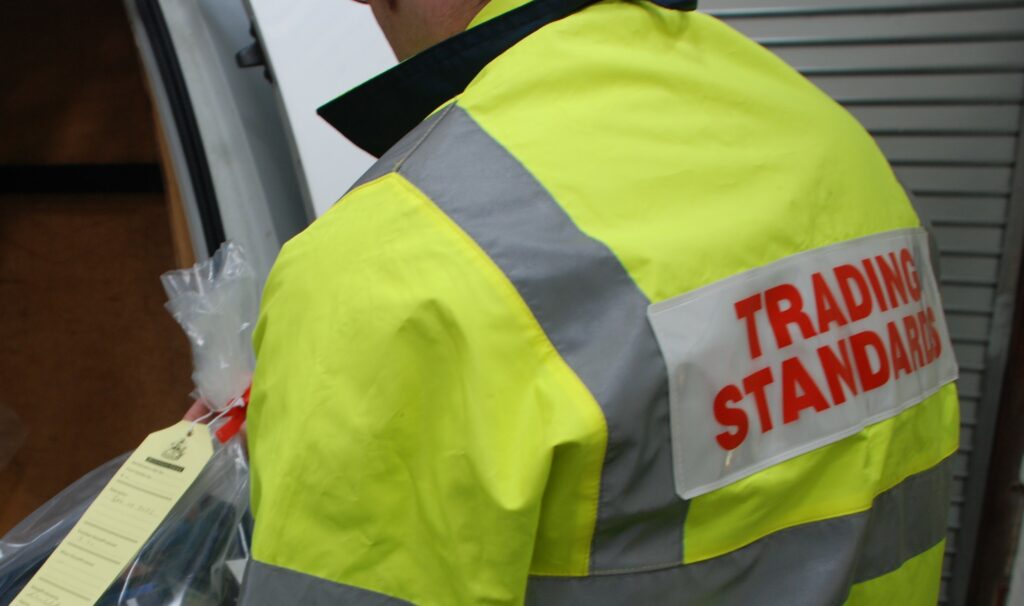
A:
628, 312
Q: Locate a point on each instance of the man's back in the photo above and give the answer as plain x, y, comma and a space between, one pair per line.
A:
459, 386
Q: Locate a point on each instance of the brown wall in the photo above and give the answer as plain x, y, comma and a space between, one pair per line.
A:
71, 90
89, 360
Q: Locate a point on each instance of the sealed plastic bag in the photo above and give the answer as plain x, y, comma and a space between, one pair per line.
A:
198, 553
195, 557
24, 549
216, 302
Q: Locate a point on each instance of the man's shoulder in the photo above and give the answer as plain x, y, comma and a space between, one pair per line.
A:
445, 153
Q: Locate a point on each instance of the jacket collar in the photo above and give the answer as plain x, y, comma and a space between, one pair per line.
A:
376, 114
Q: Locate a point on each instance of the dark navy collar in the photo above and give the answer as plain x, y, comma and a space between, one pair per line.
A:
376, 114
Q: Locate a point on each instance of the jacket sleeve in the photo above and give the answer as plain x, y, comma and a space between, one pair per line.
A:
411, 426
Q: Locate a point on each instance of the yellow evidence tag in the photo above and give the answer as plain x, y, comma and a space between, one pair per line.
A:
121, 519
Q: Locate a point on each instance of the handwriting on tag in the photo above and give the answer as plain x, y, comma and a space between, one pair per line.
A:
121, 519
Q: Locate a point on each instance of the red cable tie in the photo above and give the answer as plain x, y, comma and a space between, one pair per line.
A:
235, 420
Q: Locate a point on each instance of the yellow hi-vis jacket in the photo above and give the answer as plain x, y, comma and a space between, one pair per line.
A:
628, 312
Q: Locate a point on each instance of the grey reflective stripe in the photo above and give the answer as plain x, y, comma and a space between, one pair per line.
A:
399, 153
268, 585
808, 565
591, 310
905, 521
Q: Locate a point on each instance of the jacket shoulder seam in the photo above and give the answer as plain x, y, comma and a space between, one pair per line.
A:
400, 162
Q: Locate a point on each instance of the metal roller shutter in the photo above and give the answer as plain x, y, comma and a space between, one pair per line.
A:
939, 83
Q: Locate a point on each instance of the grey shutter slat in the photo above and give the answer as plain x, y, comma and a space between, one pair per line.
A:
956, 238
957, 497
957, 179
939, 83
859, 28
959, 465
966, 440
969, 267
731, 8
991, 150
970, 356
963, 210
968, 299
968, 328
968, 412
970, 384
954, 522
986, 87
988, 119
881, 58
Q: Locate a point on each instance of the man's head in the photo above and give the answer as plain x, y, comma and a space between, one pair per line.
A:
412, 26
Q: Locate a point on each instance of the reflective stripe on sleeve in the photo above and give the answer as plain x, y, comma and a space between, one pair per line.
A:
268, 585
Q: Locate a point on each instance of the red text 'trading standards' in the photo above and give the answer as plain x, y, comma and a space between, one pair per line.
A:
861, 357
